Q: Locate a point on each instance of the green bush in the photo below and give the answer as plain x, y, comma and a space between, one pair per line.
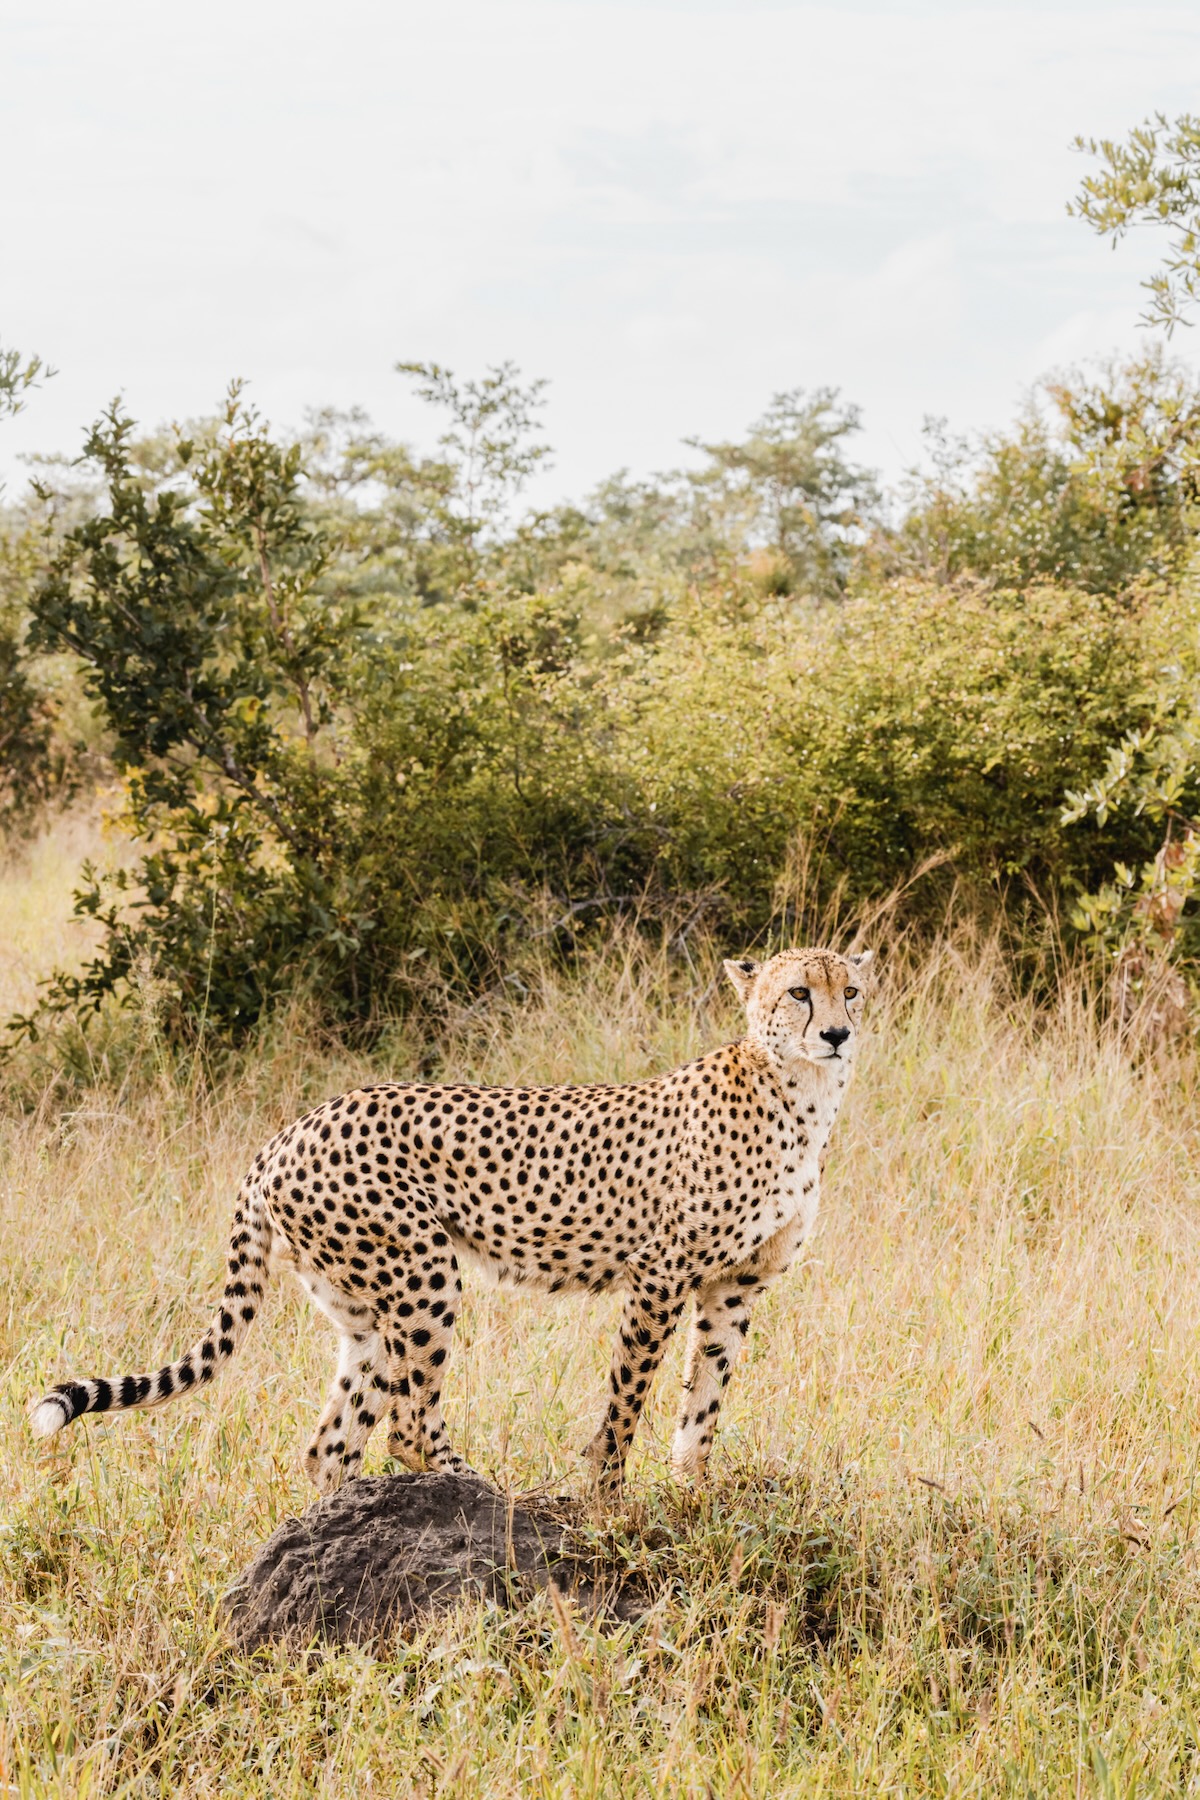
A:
1096, 486
361, 790
27, 771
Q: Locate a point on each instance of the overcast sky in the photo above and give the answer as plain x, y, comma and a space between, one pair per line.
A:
670, 210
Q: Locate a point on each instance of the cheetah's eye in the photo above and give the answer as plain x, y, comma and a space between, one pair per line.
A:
798, 993
851, 993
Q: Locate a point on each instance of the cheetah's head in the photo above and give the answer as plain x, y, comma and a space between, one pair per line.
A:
803, 1005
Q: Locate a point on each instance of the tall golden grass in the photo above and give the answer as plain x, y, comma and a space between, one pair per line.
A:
949, 1545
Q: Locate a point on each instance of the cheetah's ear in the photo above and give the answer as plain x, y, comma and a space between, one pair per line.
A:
742, 972
861, 962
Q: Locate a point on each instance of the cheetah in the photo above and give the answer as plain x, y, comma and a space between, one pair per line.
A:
702, 1183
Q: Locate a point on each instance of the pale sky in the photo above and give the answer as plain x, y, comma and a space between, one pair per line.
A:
671, 211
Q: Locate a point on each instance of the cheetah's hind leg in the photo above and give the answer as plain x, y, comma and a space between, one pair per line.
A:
417, 1349
357, 1393
356, 1399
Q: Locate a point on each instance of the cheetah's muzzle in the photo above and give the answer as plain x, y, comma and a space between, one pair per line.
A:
702, 1183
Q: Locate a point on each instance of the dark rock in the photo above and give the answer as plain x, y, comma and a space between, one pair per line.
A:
387, 1550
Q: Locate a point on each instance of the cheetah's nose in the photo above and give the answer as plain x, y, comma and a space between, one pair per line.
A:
836, 1036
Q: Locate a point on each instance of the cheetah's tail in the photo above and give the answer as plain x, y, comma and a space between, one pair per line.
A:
249, 1245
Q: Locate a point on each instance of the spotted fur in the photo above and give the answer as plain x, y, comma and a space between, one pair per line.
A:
702, 1183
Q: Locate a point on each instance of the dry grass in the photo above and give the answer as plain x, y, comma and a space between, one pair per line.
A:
39, 932
950, 1542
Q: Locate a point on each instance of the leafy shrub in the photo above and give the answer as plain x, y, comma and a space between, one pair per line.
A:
196, 617
356, 788
26, 761
1140, 918
1097, 486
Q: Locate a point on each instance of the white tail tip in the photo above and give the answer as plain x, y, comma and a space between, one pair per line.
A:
47, 1417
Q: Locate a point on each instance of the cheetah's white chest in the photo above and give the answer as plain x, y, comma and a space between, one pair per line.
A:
798, 1195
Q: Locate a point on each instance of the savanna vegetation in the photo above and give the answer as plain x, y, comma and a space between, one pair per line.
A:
320, 758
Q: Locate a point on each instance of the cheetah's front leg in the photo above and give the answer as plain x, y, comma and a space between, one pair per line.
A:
715, 1339
650, 1314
